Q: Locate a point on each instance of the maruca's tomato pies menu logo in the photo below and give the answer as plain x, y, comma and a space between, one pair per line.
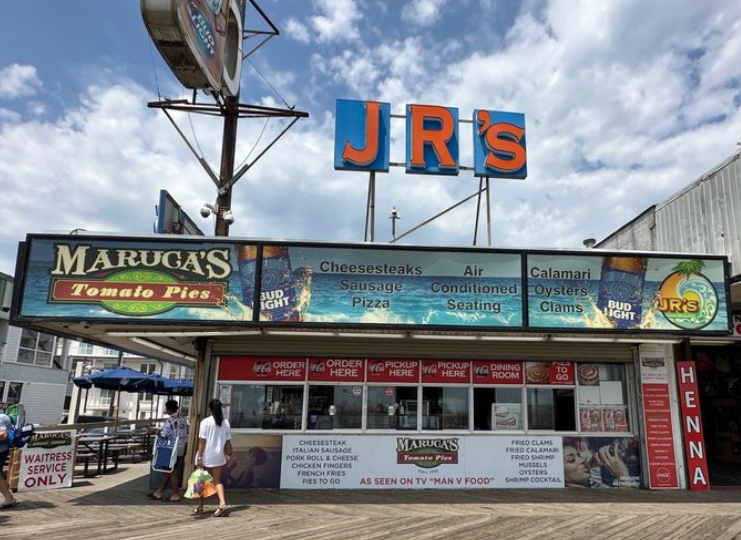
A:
427, 453
139, 282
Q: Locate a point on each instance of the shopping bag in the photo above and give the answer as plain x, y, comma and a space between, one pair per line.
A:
165, 456
200, 484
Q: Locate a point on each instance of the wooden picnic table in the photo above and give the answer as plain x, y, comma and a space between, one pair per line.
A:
97, 446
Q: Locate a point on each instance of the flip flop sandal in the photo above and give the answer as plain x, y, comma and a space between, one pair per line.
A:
221, 511
197, 511
170, 499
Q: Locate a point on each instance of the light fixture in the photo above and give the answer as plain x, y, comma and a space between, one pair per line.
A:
193, 333
163, 349
577, 339
444, 336
513, 338
369, 335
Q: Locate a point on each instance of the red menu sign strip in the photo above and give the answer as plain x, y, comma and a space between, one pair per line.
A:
662, 463
337, 369
694, 442
446, 371
393, 371
248, 368
507, 372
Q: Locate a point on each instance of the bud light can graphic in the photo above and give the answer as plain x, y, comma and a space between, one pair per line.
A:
278, 294
621, 290
247, 261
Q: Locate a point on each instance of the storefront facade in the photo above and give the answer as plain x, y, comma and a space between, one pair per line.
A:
357, 366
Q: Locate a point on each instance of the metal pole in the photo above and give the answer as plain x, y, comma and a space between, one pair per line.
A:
373, 207
228, 151
488, 213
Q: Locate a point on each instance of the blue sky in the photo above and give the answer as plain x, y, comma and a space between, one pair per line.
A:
626, 102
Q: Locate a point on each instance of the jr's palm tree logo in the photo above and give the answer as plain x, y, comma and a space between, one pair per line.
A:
687, 298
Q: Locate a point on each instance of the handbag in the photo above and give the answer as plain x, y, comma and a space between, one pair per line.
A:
200, 484
165, 456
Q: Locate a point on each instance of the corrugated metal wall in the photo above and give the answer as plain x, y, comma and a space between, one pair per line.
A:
705, 217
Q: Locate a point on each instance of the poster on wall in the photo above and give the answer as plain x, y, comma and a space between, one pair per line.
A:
662, 463
626, 293
333, 285
602, 462
256, 463
48, 461
73, 277
415, 462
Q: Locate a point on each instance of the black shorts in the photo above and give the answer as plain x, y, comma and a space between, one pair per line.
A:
3, 458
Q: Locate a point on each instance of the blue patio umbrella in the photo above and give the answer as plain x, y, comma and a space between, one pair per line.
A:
178, 387
83, 382
122, 379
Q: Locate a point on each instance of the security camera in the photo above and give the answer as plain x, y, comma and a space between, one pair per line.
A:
228, 217
205, 211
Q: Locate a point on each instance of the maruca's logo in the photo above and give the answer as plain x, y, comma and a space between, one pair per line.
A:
687, 298
653, 362
427, 453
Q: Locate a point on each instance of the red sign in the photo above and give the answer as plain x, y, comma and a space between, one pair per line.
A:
694, 442
183, 293
556, 373
259, 369
446, 371
562, 373
336, 369
662, 464
396, 371
497, 372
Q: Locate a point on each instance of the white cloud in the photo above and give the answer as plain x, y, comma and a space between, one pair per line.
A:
297, 31
423, 12
18, 81
337, 20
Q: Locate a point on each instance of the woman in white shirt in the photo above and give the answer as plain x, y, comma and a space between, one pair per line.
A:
214, 450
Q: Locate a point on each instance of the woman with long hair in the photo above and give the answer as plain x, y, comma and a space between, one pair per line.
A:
214, 450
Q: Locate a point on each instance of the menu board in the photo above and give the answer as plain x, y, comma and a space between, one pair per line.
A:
662, 463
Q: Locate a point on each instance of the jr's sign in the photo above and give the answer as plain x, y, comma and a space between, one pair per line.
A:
362, 140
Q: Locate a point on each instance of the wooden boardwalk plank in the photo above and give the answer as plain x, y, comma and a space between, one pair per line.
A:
114, 506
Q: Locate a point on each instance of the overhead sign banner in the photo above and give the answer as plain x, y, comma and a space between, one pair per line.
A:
173, 280
626, 293
163, 280
396, 287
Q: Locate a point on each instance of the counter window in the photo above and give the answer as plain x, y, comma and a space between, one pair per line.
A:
392, 407
497, 408
603, 398
444, 407
551, 409
335, 407
258, 406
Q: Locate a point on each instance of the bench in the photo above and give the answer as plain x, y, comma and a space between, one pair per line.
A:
85, 457
134, 450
